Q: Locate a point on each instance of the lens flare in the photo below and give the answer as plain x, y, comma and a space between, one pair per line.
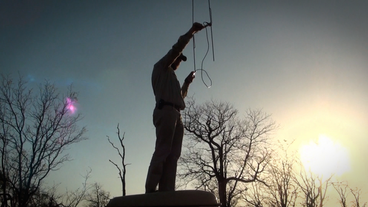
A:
71, 105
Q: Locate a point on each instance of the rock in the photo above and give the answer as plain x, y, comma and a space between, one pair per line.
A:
172, 198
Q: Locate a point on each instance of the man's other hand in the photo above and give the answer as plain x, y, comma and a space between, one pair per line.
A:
190, 77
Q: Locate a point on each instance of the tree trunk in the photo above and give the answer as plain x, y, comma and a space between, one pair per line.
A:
222, 193
23, 199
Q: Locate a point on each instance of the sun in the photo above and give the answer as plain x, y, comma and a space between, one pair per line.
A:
325, 157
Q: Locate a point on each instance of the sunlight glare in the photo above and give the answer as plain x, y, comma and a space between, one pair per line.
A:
325, 157
71, 105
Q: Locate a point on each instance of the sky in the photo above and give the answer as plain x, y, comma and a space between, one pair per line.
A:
303, 62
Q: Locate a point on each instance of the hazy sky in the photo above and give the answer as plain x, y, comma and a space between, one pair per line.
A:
306, 63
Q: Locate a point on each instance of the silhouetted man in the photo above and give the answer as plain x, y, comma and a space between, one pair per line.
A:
166, 115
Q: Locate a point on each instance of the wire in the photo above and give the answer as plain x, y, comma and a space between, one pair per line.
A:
203, 71
202, 64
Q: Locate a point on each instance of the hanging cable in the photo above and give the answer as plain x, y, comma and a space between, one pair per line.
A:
202, 63
206, 24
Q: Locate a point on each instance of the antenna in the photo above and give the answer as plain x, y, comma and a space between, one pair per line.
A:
210, 12
194, 59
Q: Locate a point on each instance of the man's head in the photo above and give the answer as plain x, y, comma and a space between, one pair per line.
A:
176, 63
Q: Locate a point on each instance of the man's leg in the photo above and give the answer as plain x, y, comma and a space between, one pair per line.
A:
164, 121
167, 182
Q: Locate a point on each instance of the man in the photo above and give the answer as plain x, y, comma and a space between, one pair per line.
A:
166, 115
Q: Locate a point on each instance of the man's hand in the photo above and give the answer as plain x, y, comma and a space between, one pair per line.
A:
190, 77
196, 27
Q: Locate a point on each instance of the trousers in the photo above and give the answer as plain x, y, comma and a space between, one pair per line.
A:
169, 138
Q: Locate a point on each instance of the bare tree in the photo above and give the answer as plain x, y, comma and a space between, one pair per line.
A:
313, 187
223, 150
341, 189
307, 184
356, 194
122, 169
45, 198
97, 197
255, 195
283, 189
35, 130
75, 197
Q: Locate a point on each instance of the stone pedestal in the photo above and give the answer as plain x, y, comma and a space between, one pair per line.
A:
185, 198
